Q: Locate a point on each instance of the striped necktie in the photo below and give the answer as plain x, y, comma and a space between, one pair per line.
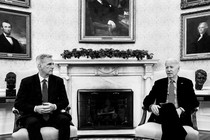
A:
171, 93
44, 91
45, 97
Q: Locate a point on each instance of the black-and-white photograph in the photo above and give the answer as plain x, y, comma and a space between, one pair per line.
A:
105, 70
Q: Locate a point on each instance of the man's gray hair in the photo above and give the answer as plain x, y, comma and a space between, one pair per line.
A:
175, 61
40, 57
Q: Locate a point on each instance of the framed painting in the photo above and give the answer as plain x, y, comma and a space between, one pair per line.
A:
193, 3
22, 3
195, 39
107, 21
15, 34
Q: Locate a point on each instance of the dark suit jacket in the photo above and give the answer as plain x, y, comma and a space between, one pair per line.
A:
6, 47
102, 13
201, 46
185, 97
29, 94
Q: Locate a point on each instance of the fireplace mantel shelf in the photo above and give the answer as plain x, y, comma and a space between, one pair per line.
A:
106, 61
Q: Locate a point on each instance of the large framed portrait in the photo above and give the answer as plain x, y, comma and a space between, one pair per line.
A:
107, 21
193, 3
22, 3
195, 39
15, 34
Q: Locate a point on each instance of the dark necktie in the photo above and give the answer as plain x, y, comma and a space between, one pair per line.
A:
171, 95
45, 97
44, 91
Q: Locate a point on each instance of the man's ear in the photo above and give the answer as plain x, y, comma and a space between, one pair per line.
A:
39, 66
178, 68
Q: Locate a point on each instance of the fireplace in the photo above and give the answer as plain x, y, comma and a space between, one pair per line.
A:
132, 79
102, 109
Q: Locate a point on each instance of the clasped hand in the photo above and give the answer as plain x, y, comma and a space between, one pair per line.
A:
155, 110
45, 108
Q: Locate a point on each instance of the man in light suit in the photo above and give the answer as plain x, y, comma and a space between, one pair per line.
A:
177, 113
39, 110
8, 44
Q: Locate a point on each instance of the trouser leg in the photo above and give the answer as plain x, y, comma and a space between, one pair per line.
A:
33, 126
62, 123
171, 125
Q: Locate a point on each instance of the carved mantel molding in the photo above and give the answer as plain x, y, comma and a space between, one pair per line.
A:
106, 66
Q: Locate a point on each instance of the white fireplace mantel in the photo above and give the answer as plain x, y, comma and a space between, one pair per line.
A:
65, 64
107, 74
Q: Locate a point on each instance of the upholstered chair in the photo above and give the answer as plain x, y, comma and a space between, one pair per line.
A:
152, 130
48, 133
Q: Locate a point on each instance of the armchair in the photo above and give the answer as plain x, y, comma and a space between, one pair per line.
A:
152, 130
48, 133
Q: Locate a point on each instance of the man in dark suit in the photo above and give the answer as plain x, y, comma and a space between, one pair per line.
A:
40, 98
8, 44
176, 111
201, 43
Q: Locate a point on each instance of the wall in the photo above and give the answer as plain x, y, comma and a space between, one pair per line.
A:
55, 27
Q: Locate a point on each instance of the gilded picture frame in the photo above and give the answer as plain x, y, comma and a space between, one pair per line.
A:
111, 21
20, 23
21, 3
193, 3
193, 45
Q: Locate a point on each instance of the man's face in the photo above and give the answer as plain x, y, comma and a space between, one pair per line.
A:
46, 67
202, 28
172, 68
6, 28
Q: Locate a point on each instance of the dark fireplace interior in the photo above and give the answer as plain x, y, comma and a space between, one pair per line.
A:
101, 109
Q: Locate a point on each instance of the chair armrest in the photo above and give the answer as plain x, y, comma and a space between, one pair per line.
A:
194, 119
15, 111
144, 116
17, 114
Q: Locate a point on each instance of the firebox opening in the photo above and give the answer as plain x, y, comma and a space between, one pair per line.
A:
100, 109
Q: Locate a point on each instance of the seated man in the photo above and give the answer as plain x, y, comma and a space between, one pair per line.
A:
171, 101
40, 98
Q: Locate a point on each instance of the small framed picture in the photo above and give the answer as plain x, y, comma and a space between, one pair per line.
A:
107, 21
195, 39
22, 3
15, 34
193, 3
